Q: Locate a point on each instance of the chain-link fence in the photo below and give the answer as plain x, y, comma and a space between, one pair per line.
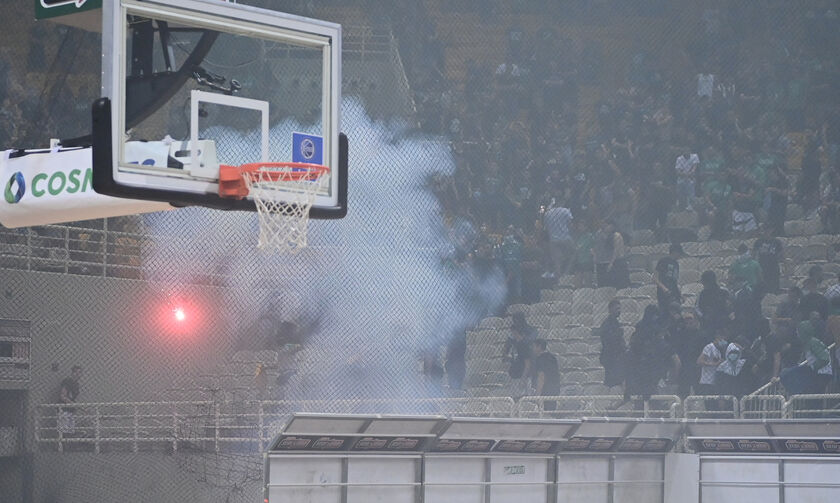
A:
519, 171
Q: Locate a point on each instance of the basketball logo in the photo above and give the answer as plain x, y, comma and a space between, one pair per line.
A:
307, 149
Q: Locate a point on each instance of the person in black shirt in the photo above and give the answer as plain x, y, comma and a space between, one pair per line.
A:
546, 374
713, 305
812, 300
517, 352
687, 342
777, 192
613, 347
647, 356
67, 395
666, 278
768, 251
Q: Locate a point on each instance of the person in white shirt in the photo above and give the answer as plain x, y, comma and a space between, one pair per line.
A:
705, 84
686, 167
833, 291
708, 361
557, 222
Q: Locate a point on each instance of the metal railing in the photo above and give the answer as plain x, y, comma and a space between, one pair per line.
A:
82, 251
662, 406
73, 250
214, 426
762, 407
711, 406
813, 406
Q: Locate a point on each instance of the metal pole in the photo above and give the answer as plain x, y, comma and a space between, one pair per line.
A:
216, 405
66, 249
174, 427
97, 428
105, 248
261, 420
136, 426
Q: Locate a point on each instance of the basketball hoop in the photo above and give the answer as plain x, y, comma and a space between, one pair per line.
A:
283, 193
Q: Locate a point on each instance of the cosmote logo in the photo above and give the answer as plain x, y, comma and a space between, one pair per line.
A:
48, 184
12, 194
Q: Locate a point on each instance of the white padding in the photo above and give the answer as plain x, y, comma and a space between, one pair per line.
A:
57, 187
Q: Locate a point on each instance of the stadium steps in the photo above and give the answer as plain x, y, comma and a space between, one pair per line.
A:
566, 317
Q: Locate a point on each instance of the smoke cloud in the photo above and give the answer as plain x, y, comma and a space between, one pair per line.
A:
372, 292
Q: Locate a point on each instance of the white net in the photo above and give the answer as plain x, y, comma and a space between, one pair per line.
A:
283, 194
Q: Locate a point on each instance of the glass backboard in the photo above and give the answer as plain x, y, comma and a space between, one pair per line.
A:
192, 84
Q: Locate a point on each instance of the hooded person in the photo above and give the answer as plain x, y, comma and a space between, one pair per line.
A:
729, 377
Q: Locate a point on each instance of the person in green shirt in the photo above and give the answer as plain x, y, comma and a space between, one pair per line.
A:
718, 196
814, 352
745, 269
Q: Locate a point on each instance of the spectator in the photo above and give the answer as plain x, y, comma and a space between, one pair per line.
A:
830, 208
729, 375
812, 299
557, 221
647, 359
610, 256
666, 278
718, 200
768, 250
745, 269
517, 352
67, 395
832, 327
808, 186
546, 374
705, 85
833, 292
776, 201
685, 168
815, 374
613, 348
708, 362
770, 358
746, 310
510, 254
688, 342
713, 305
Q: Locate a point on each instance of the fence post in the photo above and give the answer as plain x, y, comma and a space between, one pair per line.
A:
97, 428
59, 427
261, 419
216, 428
174, 427
105, 248
66, 249
136, 426
29, 251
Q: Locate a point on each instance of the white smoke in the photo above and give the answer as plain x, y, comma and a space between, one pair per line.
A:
372, 289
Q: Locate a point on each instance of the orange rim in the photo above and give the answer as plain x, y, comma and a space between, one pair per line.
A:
298, 170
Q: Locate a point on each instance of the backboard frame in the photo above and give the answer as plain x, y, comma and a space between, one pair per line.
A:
114, 178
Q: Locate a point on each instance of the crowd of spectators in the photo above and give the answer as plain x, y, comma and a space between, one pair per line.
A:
724, 344
745, 124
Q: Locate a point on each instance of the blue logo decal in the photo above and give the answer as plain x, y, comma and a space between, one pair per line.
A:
14, 196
